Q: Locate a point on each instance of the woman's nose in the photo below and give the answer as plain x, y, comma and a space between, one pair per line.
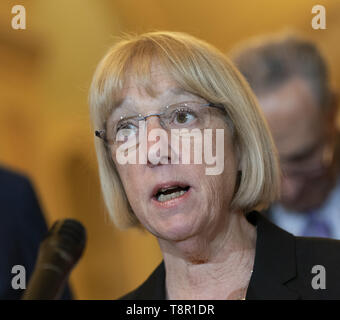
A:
158, 148
153, 122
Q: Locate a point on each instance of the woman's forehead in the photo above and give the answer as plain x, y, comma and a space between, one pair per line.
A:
137, 99
151, 82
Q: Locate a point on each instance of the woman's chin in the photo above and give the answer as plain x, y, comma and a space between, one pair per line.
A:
177, 229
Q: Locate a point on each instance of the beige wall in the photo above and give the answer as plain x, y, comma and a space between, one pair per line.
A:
44, 127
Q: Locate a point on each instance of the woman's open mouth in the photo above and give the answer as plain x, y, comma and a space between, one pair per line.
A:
166, 194
169, 194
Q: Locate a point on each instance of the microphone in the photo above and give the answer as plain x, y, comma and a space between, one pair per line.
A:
58, 254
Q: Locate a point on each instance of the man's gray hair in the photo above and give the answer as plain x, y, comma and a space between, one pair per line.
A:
269, 62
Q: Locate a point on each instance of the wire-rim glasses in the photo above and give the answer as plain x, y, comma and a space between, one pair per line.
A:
182, 115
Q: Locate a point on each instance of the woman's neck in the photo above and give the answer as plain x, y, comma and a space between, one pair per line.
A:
211, 267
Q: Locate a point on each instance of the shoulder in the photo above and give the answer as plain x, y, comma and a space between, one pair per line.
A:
307, 250
318, 251
318, 272
311, 249
12, 183
284, 261
9, 175
323, 246
21, 230
20, 207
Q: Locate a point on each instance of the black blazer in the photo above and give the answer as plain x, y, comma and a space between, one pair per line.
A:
22, 228
282, 268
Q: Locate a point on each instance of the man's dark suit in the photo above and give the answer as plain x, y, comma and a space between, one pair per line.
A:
22, 228
282, 269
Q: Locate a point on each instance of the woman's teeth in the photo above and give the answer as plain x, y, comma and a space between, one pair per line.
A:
173, 195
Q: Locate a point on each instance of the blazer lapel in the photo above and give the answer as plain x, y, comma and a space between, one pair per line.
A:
275, 262
154, 287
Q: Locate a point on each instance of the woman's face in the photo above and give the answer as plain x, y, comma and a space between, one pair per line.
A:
201, 202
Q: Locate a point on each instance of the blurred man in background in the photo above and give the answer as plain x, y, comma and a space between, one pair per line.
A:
291, 81
22, 228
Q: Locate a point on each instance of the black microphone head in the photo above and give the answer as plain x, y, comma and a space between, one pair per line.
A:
59, 252
69, 235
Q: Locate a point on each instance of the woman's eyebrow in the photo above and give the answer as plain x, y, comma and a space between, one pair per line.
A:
120, 108
124, 112
123, 103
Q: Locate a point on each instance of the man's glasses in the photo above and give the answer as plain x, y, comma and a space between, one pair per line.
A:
183, 115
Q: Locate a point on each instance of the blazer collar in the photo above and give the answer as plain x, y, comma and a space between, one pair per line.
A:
274, 265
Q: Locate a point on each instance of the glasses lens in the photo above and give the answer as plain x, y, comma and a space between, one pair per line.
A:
123, 129
186, 115
126, 130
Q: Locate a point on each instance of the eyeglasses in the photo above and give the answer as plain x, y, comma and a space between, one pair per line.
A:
186, 115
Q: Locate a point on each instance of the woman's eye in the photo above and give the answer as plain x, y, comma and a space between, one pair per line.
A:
126, 130
184, 117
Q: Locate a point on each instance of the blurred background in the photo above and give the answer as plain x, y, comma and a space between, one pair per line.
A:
45, 132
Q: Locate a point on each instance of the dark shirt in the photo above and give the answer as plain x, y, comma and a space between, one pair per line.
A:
22, 228
282, 268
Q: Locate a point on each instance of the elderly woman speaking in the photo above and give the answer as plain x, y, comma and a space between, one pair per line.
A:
162, 104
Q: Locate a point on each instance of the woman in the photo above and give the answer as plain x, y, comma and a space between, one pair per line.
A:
214, 245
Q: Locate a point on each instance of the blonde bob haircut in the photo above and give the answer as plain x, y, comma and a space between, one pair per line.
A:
200, 69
